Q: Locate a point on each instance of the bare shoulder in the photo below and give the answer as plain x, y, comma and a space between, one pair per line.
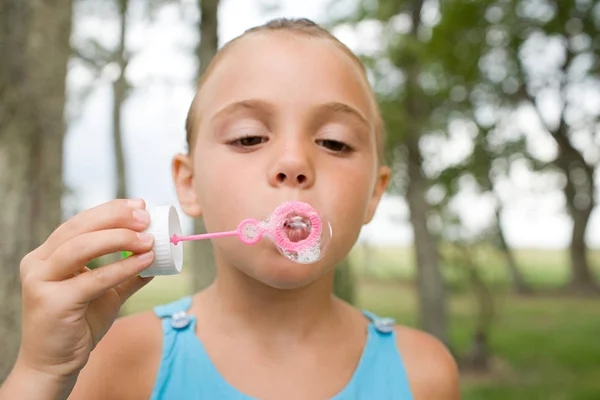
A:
125, 362
431, 369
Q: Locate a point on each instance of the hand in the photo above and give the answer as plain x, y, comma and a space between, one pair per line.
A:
67, 308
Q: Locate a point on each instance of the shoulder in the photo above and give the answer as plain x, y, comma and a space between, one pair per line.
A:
129, 352
431, 369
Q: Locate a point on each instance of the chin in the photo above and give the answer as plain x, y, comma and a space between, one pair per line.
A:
272, 269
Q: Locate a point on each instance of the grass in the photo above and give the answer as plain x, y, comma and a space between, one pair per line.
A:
544, 347
543, 269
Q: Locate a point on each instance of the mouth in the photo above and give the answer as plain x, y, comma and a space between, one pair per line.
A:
297, 227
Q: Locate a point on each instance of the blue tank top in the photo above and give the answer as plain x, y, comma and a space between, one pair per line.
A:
380, 373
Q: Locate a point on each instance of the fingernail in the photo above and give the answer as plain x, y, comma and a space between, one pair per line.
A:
135, 203
145, 256
141, 216
145, 237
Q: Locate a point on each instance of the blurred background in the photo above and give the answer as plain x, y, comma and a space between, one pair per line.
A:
489, 237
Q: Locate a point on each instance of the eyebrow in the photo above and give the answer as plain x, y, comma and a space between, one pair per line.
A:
335, 107
244, 105
266, 108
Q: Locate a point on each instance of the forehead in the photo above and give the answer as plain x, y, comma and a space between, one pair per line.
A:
287, 69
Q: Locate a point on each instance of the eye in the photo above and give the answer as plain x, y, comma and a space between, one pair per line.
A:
248, 141
334, 145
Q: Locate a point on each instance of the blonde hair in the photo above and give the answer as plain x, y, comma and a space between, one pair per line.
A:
301, 26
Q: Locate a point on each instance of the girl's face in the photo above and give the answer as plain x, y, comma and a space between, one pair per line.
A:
282, 117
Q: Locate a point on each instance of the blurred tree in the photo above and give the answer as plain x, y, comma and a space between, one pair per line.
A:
97, 56
203, 272
120, 88
34, 49
462, 252
462, 90
482, 166
396, 69
567, 80
512, 57
432, 296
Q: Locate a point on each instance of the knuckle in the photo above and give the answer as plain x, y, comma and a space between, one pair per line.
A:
25, 261
126, 237
27, 281
117, 203
123, 215
76, 222
99, 275
135, 241
33, 291
76, 246
25, 266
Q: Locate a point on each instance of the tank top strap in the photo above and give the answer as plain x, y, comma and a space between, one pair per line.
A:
178, 332
175, 318
381, 325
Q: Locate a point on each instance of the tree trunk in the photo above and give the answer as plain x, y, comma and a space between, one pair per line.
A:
120, 87
519, 284
582, 279
203, 271
579, 192
119, 94
479, 354
580, 198
34, 53
343, 281
432, 295
209, 33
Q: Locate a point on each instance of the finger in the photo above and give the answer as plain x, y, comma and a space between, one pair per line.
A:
94, 283
120, 213
130, 286
82, 249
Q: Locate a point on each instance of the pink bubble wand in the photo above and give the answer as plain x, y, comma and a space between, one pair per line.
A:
295, 228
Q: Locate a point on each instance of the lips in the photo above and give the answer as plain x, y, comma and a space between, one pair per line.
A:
297, 227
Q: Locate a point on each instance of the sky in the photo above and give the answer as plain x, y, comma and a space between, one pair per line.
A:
161, 72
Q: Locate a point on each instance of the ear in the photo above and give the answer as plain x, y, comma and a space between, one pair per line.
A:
183, 177
384, 174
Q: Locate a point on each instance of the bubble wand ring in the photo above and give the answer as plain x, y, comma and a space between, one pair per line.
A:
297, 213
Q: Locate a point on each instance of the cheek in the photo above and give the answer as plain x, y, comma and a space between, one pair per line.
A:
348, 201
353, 187
224, 189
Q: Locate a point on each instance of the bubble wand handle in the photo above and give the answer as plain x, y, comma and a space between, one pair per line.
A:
176, 239
249, 231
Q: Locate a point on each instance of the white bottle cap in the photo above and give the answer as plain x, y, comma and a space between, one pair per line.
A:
168, 258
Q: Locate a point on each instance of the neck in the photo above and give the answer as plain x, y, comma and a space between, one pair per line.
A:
241, 302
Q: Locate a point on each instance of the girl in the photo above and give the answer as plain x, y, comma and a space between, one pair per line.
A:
284, 112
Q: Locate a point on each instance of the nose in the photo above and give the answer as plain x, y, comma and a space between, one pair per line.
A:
292, 167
